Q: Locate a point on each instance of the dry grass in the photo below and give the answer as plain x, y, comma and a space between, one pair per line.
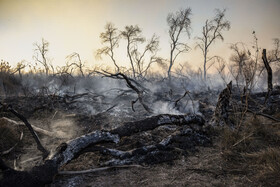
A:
253, 150
267, 164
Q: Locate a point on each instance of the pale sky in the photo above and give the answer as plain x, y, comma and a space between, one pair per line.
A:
75, 25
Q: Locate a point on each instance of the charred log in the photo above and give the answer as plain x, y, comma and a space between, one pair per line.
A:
257, 95
67, 151
43, 174
167, 150
193, 122
153, 122
152, 154
255, 102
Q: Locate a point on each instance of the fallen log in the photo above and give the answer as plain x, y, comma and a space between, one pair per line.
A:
129, 128
152, 154
263, 94
43, 174
194, 122
168, 149
256, 96
67, 151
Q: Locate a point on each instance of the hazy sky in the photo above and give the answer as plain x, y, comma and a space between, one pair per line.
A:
75, 25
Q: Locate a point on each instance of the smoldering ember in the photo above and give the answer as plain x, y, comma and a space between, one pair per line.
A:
155, 121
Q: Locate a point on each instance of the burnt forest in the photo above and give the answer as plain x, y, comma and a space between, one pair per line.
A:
154, 121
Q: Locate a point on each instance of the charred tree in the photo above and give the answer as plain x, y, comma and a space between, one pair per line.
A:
153, 122
211, 32
132, 84
222, 107
179, 23
110, 37
269, 72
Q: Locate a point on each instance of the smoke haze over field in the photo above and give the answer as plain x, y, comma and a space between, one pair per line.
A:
75, 26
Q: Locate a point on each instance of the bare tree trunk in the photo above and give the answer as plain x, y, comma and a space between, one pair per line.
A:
170, 65
269, 72
168, 72
114, 61
112, 54
130, 58
204, 70
204, 64
171, 60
